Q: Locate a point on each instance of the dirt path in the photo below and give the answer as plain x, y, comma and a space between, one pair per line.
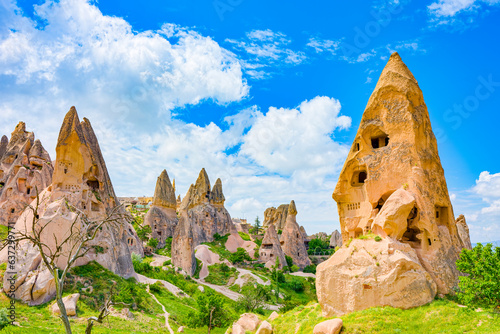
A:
165, 313
169, 286
301, 274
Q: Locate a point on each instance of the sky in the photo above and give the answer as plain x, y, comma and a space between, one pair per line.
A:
265, 95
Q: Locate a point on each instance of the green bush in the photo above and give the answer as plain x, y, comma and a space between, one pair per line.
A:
143, 232
239, 256
153, 242
289, 260
481, 286
310, 269
244, 236
167, 263
294, 269
220, 273
378, 238
295, 284
4, 318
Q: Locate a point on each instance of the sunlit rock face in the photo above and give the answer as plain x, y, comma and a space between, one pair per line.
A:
162, 216
25, 168
293, 239
276, 216
202, 215
80, 187
392, 185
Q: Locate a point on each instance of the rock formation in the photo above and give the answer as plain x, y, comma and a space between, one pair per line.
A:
25, 168
162, 216
335, 239
270, 249
393, 185
276, 217
80, 184
293, 240
202, 214
463, 231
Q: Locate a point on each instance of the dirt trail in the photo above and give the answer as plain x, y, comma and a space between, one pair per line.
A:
165, 313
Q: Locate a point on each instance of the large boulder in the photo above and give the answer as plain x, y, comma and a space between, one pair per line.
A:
25, 168
69, 304
370, 273
293, 239
332, 326
392, 184
265, 328
248, 322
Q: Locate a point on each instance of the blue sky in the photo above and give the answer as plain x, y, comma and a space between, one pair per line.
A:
264, 95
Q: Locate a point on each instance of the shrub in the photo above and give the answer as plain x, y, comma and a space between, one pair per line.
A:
289, 260
295, 284
294, 269
239, 256
378, 238
143, 232
4, 318
167, 263
310, 269
481, 286
244, 236
153, 242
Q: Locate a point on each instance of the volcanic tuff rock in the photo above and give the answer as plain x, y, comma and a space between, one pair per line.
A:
81, 184
202, 215
25, 168
270, 249
463, 231
277, 217
162, 216
336, 239
392, 184
293, 240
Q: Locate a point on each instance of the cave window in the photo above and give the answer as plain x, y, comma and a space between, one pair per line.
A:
441, 215
28, 190
271, 255
159, 233
429, 241
37, 216
2, 184
12, 210
297, 235
65, 170
378, 142
93, 184
357, 147
359, 178
94, 206
206, 214
298, 254
437, 214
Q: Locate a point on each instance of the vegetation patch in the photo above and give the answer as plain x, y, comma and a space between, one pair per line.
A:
220, 273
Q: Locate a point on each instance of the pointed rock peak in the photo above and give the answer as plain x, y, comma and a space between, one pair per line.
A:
4, 140
203, 183
20, 128
38, 151
164, 192
217, 196
71, 123
292, 210
3, 146
395, 67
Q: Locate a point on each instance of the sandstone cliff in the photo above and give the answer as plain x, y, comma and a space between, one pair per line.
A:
276, 217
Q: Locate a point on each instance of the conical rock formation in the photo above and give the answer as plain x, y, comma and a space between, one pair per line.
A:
80, 181
205, 215
276, 217
293, 240
270, 249
162, 216
25, 168
392, 184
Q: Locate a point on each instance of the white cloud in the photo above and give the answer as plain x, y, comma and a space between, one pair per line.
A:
445, 12
265, 48
324, 45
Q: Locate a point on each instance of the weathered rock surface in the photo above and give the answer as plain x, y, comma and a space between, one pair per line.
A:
273, 316
241, 226
25, 168
69, 304
463, 231
276, 217
202, 214
162, 216
393, 170
332, 326
80, 184
248, 322
336, 239
293, 240
235, 241
265, 328
270, 249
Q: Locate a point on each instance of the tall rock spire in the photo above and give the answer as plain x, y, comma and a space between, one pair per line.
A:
164, 192
393, 184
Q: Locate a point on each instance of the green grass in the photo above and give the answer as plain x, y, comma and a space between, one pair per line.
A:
244, 236
4, 231
440, 316
220, 273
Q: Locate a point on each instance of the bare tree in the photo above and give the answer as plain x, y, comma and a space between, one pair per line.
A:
73, 246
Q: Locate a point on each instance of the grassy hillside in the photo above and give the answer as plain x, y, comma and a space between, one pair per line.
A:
440, 316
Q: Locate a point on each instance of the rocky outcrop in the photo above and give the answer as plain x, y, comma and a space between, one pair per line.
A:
276, 217
392, 184
335, 239
332, 326
463, 231
270, 249
204, 215
25, 168
162, 216
80, 187
69, 304
293, 240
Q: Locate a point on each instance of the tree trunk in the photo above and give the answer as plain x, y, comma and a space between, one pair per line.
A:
62, 308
